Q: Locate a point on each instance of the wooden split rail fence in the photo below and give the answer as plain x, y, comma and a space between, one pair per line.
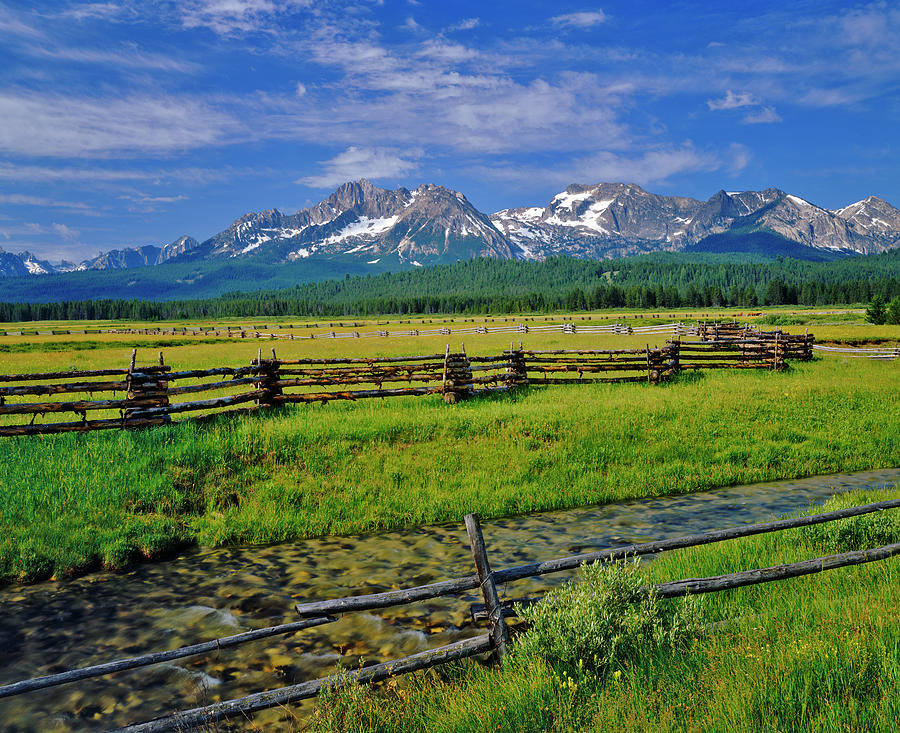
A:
494, 610
143, 396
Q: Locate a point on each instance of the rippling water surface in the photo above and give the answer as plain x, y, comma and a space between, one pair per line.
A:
209, 593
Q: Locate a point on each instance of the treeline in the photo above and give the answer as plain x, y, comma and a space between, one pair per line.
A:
502, 286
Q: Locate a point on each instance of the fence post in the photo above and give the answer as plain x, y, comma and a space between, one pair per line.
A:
444, 376
149, 390
498, 632
269, 373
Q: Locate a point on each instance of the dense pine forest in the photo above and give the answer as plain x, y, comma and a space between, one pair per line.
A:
504, 286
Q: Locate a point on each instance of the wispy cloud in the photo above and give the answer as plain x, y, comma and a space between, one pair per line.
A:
732, 101
127, 57
153, 176
12, 24
62, 125
94, 11
355, 163
232, 16
466, 24
585, 19
20, 199
763, 116
66, 232
651, 167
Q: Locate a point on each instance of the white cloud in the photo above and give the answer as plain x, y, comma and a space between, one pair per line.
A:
20, 199
738, 158
48, 174
11, 24
585, 19
128, 57
764, 116
66, 232
732, 101
59, 125
653, 166
226, 17
300, 89
355, 163
466, 24
98, 11
411, 24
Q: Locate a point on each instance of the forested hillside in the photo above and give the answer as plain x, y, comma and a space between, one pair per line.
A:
509, 286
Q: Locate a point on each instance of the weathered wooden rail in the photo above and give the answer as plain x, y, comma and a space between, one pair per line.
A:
493, 611
144, 396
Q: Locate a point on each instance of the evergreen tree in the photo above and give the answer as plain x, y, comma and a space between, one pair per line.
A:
876, 312
892, 315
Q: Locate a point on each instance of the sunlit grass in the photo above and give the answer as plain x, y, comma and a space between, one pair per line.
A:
71, 502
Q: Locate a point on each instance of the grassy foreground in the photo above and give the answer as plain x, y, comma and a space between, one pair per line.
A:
71, 503
820, 653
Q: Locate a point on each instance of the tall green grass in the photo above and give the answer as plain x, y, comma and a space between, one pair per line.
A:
820, 653
69, 503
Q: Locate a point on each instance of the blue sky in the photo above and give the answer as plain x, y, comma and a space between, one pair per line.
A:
132, 122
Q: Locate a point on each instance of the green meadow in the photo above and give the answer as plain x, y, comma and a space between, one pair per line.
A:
74, 502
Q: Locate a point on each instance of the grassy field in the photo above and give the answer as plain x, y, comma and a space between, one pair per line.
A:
820, 653
71, 503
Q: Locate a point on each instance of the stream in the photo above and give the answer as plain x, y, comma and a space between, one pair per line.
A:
207, 593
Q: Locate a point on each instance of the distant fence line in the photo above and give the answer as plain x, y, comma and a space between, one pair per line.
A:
234, 330
494, 611
884, 352
145, 396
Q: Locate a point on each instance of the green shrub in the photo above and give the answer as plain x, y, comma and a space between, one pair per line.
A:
605, 620
854, 533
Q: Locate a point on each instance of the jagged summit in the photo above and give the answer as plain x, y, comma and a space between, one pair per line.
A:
367, 224
615, 219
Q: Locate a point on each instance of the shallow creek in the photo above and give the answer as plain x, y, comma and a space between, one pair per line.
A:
208, 593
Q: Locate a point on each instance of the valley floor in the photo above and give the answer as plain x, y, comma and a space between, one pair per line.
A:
72, 503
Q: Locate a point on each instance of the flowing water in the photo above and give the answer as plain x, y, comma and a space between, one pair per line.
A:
209, 593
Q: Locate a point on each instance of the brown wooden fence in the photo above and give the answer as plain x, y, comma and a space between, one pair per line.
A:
147, 395
493, 610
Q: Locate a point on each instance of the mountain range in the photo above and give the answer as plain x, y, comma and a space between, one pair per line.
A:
370, 226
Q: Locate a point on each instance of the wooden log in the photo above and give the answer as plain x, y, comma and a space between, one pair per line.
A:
649, 548
364, 369
244, 706
356, 394
737, 365
584, 351
540, 381
144, 660
714, 584
388, 599
585, 368
611, 360
83, 426
366, 379
40, 377
370, 360
199, 404
45, 389
27, 408
730, 581
193, 388
499, 635
200, 373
